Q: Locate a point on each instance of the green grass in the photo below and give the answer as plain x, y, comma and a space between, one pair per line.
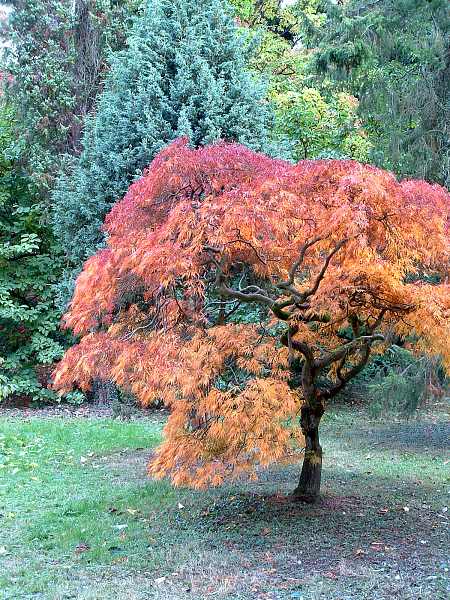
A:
80, 519
67, 497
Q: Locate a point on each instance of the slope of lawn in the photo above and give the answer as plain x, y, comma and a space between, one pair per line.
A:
80, 519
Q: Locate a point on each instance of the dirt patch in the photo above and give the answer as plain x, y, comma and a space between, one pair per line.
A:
85, 411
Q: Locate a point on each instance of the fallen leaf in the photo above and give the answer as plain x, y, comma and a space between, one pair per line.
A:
120, 559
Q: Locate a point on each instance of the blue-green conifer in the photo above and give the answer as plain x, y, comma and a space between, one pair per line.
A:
183, 72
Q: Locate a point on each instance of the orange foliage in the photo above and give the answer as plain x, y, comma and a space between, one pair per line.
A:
336, 254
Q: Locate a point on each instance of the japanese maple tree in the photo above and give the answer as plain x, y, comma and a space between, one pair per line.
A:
246, 292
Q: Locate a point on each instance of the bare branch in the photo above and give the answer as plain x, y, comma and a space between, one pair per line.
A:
346, 349
298, 262
350, 374
378, 321
288, 341
256, 296
242, 240
289, 287
321, 275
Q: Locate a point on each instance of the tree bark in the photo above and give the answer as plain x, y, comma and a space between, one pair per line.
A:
308, 489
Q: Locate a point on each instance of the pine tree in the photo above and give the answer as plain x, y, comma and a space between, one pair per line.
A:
183, 73
394, 56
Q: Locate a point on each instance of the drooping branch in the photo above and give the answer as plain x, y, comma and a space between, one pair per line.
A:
242, 240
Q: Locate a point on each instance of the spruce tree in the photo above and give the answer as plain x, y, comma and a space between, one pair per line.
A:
183, 73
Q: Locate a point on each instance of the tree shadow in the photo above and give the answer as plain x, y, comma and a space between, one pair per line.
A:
351, 522
407, 435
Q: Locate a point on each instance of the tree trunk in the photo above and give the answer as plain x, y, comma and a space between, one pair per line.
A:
308, 489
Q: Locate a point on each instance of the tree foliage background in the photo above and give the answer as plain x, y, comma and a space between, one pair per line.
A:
183, 72
394, 56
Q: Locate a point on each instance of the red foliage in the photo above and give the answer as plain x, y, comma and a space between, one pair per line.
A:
337, 255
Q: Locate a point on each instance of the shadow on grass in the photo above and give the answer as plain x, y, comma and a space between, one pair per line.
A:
356, 519
413, 435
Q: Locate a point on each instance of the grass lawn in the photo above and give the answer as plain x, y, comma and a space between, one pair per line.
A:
79, 519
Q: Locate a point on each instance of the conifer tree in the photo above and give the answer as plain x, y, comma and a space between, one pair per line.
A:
393, 55
182, 73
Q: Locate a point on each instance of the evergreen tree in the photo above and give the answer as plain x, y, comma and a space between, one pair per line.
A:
183, 73
394, 56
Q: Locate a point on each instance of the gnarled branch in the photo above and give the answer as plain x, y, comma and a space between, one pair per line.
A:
344, 378
346, 349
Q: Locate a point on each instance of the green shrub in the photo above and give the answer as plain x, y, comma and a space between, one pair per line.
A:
29, 266
398, 382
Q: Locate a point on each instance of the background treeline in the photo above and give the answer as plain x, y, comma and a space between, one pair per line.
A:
93, 89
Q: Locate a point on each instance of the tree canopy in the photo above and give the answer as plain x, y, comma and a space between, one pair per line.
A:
336, 257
